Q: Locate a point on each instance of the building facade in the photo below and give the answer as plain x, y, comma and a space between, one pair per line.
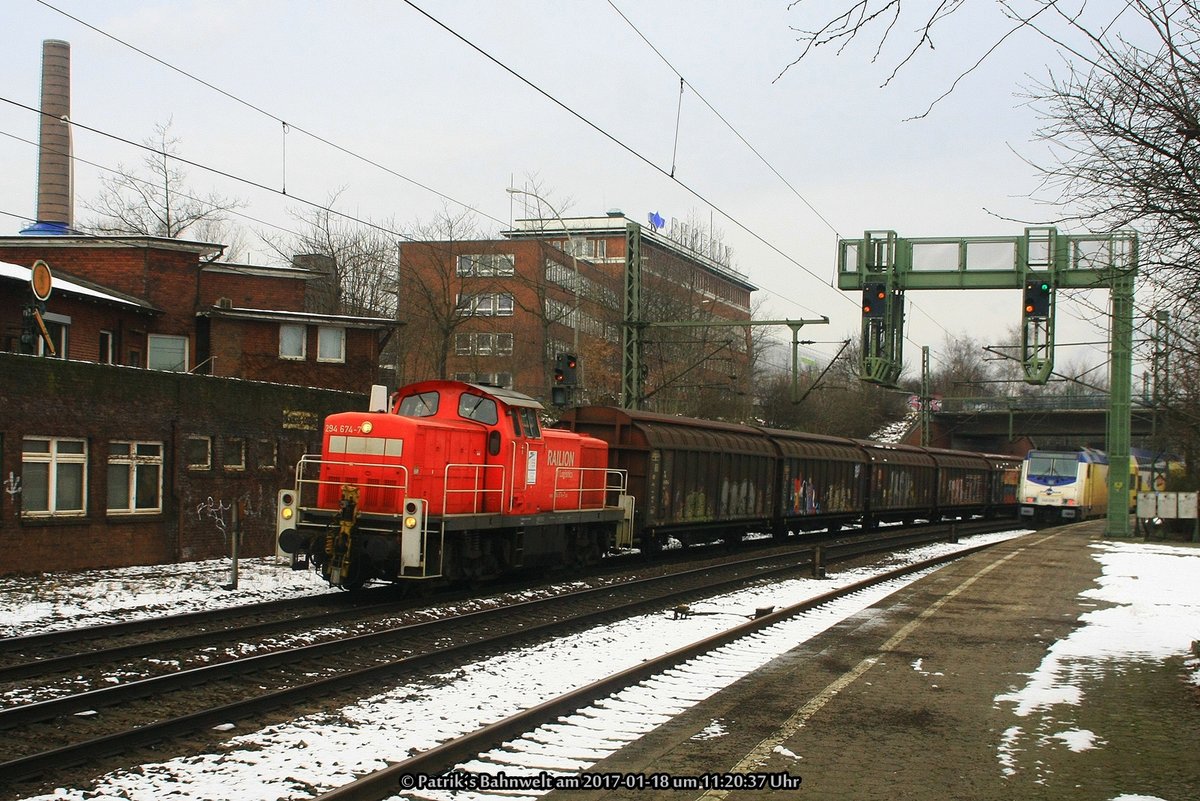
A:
166, 402
499, 311
165, 304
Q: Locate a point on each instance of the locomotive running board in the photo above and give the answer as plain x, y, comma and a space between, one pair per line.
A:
467, 522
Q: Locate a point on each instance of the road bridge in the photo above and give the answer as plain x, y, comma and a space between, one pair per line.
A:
1006, 425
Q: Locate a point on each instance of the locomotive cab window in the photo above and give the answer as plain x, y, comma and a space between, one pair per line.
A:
478, 408
515, 415
529, 422
423, 404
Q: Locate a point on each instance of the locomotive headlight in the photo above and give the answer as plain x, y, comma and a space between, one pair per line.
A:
410, 522
366, 427
286, 513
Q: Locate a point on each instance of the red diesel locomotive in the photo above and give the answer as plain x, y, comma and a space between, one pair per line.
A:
456, 481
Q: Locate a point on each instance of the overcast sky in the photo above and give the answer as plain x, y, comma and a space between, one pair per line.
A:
380, 79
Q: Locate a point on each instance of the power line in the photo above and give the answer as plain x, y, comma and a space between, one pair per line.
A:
287, 126
618, 142
215, 171
290, 126
721, 117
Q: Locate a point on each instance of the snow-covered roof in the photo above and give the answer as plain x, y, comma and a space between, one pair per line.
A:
76, 286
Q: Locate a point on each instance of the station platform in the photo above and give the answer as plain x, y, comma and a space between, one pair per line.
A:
926, 695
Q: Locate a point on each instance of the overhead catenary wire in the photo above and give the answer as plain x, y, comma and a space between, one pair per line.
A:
721, 117
612, 138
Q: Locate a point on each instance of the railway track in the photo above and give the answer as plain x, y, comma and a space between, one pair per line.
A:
133, 713
464, 761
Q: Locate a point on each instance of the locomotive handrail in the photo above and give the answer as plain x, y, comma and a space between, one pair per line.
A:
476, 473
614, 482
396, 481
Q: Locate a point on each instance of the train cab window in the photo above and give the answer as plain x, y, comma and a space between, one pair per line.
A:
475, 407
423, 404
515, 414
529, 421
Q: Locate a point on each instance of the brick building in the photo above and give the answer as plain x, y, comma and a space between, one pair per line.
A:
164, 304
499, 311
182, 389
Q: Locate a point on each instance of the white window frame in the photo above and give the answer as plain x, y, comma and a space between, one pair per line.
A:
55, 323
135, 461
107, 353
234, 447
54, 458
322, 332
162, 339
293, 327
485, 264
208, 450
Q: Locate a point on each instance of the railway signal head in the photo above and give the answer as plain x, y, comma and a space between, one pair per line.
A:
874, 299
1037, 298
288, 539
565, 367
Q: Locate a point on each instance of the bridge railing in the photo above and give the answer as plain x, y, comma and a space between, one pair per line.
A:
1033, 403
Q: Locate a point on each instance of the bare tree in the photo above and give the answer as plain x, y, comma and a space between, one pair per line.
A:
836, 401
432, 300
357, 260
156, 200
1120, 111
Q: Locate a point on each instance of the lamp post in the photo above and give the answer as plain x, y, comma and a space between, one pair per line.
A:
574, 259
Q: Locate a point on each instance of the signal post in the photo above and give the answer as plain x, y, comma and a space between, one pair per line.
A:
884, 266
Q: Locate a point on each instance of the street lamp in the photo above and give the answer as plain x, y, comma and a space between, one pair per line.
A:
574, 259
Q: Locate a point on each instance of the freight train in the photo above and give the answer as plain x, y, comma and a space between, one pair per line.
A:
459, 481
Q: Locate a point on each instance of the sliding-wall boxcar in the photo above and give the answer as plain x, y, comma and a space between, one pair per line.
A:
902, 483
694, 480
821, 483
964, 482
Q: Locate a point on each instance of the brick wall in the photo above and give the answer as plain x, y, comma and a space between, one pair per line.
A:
257, 433
252, 290
245, 348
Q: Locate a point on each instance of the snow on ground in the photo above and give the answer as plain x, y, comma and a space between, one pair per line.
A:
1156, 613
50, 601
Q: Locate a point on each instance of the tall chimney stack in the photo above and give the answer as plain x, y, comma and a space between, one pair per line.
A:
55, 204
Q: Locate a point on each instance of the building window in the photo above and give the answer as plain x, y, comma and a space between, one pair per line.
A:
483, 344
135, 472
268, 454
167, 353
56, 327
106, 347
233, 455
198, 452
331, 344
134, 358
292, 341
493, 304
53, 476
487, 264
